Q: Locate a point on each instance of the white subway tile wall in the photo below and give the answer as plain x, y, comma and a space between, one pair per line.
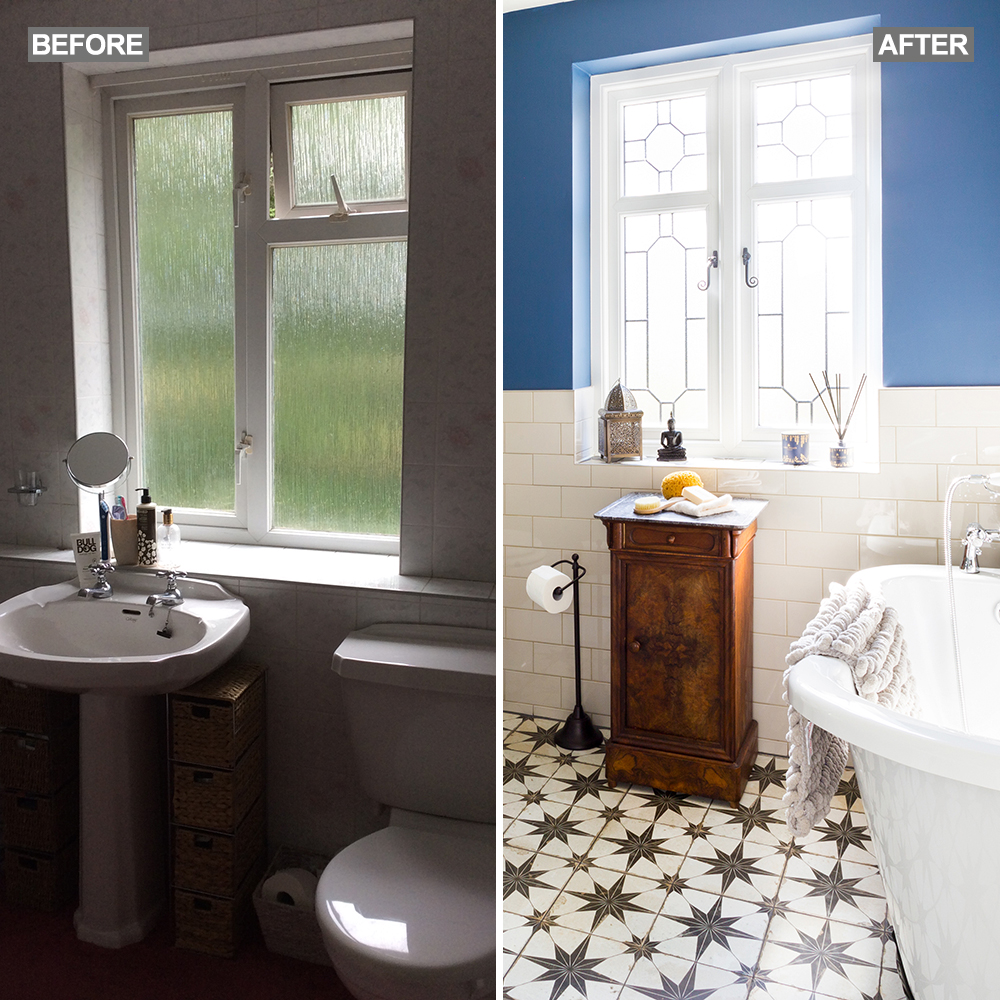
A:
817, 529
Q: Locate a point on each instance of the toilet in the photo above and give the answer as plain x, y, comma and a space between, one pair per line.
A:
409, 912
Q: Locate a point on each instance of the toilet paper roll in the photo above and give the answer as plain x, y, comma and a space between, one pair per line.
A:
541, 584
291, 886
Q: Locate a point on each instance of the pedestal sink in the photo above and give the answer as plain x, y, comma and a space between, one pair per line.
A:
120, 658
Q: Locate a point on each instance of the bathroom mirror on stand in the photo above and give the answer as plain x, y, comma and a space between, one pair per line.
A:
95, 463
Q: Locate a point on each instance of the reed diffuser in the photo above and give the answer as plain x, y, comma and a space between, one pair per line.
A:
841, 457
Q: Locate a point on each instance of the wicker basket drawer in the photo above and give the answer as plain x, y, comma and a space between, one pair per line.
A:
214, 721
41, 822
217, 863
210, 798
34, 710
215, 925
41, 881
39, 764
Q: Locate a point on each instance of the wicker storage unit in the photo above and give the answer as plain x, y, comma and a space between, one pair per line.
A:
41, 822
39, 880
215, 798
214, 721
218, 808
217, 863
288, 930
40, 764
35, 710
39, 795
216, 925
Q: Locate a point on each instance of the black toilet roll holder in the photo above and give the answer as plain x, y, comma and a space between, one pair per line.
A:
579, 733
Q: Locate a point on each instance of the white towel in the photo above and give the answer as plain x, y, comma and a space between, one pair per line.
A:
678, 505
857, 627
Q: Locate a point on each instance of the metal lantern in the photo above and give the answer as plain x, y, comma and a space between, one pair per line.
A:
619, 430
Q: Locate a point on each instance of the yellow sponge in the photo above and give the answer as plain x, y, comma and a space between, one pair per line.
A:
673, 484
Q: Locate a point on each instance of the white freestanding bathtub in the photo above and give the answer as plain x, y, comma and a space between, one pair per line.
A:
931, 792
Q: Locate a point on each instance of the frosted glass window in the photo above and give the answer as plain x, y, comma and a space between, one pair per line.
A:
666, 329
362, 142
803, 310
663, 146
803, 129
184, 285
337, 329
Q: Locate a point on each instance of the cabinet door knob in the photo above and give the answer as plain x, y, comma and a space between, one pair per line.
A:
635, 645
671, 539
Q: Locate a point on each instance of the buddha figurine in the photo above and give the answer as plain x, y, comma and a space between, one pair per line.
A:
671, 440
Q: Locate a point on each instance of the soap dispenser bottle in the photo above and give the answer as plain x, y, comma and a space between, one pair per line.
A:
168, 541
145, 516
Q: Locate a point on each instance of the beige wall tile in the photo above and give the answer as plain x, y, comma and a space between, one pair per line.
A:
562, 532
899, 482
580, 501
769, 616
518, 469
559, 470
821, 484
907, 407
968, 405
824, 548
795, 513
937, 445
769, 546
532, 501
555, 406
787, 583
517, 407
545, 439
874, 517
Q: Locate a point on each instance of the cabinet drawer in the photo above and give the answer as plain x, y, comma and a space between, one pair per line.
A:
670, 538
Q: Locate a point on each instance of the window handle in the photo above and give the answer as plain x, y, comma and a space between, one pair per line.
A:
240, 194
343, 210
243, 450
751, 282
712, 261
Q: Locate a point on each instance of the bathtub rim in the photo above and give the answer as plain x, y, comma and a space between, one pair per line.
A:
822, 690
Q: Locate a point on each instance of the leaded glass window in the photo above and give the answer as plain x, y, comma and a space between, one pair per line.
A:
735, 242
666, 328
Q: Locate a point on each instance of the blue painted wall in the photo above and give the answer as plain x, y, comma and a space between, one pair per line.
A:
940, 177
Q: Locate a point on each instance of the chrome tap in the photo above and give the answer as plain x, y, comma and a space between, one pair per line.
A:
976, 536
101, 586
171, 596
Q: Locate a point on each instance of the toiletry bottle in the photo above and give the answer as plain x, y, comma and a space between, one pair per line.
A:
168, 541
145, 513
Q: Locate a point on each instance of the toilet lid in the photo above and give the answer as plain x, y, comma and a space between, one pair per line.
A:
414, 898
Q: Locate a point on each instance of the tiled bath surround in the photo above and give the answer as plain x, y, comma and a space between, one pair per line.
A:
818, 527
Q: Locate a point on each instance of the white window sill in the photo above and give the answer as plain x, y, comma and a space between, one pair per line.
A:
356, 570
702, 462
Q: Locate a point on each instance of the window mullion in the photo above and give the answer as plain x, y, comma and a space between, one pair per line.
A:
256, 380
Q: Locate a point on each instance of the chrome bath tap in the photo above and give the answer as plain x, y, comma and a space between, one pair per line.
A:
101, 586
171, 596
976, 536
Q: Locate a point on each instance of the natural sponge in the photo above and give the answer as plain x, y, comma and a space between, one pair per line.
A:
673, 484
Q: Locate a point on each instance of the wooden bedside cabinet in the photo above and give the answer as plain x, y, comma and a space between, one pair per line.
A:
682, 649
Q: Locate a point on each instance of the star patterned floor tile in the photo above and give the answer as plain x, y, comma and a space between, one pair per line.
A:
737, 868
565, 964
711, 930
640, 847
663, 808
666, 977
829, 887
831, 958
608, 903
841, 834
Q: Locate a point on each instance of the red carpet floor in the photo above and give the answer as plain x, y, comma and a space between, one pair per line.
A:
42, 959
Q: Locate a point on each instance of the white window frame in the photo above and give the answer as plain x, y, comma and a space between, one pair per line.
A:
728, 80
249, 86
